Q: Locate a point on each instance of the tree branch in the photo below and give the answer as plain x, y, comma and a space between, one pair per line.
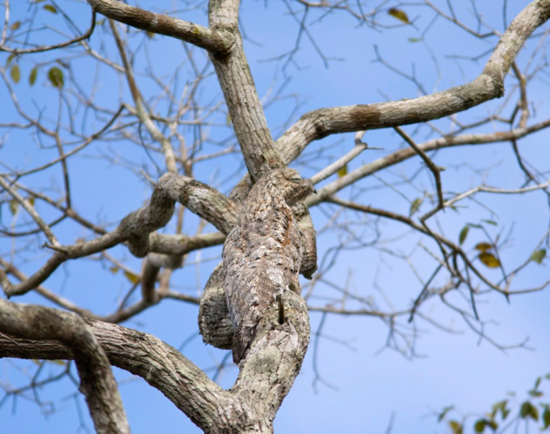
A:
97, 381
47, 47
136, 227
403, 154
161, 365
241, 97
488, 85
214, 41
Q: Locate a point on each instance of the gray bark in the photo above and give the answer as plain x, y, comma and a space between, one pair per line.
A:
272, 363
71, 332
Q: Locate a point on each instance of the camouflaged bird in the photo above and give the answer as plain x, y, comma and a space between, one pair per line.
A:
263, 253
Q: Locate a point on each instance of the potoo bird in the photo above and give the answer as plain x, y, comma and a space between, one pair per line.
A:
263, 253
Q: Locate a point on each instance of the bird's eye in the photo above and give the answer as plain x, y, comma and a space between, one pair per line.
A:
296, 178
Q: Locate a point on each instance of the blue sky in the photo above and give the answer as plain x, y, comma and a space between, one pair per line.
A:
367, 383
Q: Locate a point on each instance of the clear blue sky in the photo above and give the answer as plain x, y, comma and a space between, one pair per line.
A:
367, 383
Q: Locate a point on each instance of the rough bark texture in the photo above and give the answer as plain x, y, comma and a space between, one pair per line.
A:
214, 321
262, 256
240, 94
273, 334
203, 401
96, 379
200, 36
488, 85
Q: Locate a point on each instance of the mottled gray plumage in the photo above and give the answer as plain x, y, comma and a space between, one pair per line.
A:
263, 253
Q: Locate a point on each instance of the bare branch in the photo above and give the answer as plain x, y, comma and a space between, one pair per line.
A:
245, 108
48, 47
490, 84
433, 168
32, 212
136, 227
215, 41
403, 154
97, 381
337, 165
142, 114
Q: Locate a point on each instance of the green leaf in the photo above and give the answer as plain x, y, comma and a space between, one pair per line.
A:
33, 75
456, 427
483, 247
444, 412
415, 39
479, 426
14, 205
10, 58
15, 73
463, 234
114, 269
131, 277
546, 417
399, 14
491, 222
529, 410
343, 171
55, 75
501, 405
489, 259
15, 25
50, 8
491, 424
538, 256
415, 205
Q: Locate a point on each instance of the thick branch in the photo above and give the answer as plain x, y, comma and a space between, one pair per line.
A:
265, 378
162, 366
490, 84
403, 154
211, 40
136, 227
240, 94
273, 362
97, 381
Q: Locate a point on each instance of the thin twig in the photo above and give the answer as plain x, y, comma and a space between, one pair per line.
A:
49, 47
32, 212
433, 168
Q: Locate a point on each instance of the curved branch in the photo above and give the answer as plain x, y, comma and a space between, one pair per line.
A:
161, 365
488, 85
403, 154
97, 381
241, 97
51, 47
136, 227
212, 40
